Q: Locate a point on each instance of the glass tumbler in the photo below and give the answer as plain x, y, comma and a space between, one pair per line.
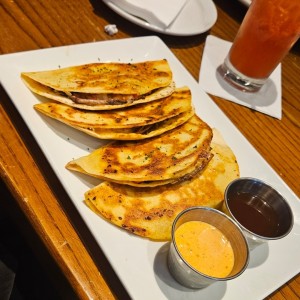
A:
267, 33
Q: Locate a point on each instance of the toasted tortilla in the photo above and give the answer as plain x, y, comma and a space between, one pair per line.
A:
113, 85
132, 123
137, 133
133, 116
187, 174
149, 212
162, 157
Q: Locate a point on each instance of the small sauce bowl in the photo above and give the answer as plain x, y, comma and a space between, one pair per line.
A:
261, 211
187, 274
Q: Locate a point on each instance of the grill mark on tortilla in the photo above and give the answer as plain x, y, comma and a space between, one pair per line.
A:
132, 116
141, 121
116, 78
149, 212
195, 170
157, 158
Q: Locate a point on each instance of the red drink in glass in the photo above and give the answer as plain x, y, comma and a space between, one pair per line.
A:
269, 30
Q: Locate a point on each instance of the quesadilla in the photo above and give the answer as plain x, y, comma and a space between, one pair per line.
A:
132, 123
137, 133
149, 212
187, 174
162, 157
103, 86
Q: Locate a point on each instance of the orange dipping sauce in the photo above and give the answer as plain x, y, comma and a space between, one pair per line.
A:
205, 248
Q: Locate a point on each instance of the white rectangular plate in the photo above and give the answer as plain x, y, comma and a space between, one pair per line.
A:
140, 263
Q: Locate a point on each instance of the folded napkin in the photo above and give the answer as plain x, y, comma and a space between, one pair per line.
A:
160, 13
267, 100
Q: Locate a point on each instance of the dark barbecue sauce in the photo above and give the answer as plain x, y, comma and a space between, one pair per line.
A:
254, 214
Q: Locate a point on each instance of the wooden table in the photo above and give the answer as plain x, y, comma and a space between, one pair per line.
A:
27, 25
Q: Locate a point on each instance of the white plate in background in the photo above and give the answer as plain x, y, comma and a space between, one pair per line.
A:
141, 263
196, 17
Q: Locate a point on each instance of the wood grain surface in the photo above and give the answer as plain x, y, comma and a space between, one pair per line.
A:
27, 25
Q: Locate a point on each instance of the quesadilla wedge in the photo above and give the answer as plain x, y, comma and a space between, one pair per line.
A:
149, 212
134, 116
137, 133
162, 157
103, 86
132, 123
187, 174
